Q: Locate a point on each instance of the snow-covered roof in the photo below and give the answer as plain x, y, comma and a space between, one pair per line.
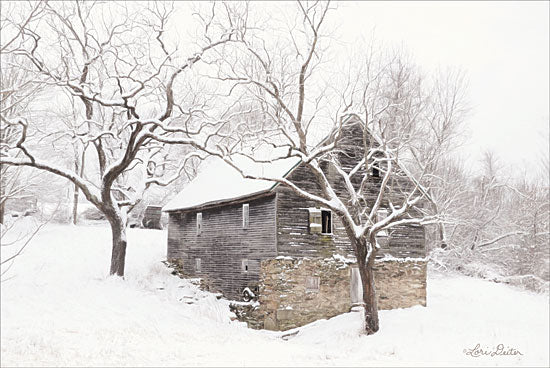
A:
219, 182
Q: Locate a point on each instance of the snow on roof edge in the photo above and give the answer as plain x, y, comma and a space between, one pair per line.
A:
220, 183
217, 202
298, 163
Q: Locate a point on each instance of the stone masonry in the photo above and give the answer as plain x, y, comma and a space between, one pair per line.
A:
289, 296
400, 283
287, 302
297, 291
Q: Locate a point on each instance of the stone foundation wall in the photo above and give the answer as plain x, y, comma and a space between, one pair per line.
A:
204, 283
400, 283
287, 299
297, 291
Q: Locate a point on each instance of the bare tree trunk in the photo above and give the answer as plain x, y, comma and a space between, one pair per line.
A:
119, 242
75, 191
442, 236
440, 228
2, 193
75, 204
118, 254
79, 166
369, 291
2, 209
367, 281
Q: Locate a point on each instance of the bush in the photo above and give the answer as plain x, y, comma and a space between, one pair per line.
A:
92, 213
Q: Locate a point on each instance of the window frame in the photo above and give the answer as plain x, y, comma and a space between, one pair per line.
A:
314, 281
198, 265
246, 216
381, 214
314, 226
316, 216
199, 223
330, 222
245, 265
375, 172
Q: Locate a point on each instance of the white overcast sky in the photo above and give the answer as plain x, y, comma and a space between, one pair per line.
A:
502, 46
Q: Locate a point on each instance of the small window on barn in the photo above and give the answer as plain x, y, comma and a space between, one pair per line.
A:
320, 221
244, 265
326, 222
199, 223
381, 215
315, 220
312, 284
375, 170
246, 217
197, 265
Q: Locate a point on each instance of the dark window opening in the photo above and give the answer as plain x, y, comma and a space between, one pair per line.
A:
244, 265
326, 222
375, 171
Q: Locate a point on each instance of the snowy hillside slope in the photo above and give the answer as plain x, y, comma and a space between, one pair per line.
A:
59, 308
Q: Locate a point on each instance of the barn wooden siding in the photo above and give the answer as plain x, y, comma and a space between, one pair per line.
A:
279, 226
293, 235
151, 217
223, 243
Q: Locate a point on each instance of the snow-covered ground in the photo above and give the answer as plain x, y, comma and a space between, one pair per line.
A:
58, 308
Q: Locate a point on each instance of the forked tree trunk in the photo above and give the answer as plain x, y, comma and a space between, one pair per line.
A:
367, 281
118, 254
369, 294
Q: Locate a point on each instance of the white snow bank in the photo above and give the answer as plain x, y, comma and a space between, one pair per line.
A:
60, 309
218, 181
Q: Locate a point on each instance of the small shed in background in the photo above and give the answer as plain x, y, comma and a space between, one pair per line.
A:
151, 217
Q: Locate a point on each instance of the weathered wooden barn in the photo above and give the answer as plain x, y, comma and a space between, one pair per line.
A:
243, 236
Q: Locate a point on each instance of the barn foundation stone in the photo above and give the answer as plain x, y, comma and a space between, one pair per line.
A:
296, 291
289, 296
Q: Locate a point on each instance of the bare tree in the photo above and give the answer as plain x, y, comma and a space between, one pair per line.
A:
362, 181
498, 225
17, 89
114, 60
